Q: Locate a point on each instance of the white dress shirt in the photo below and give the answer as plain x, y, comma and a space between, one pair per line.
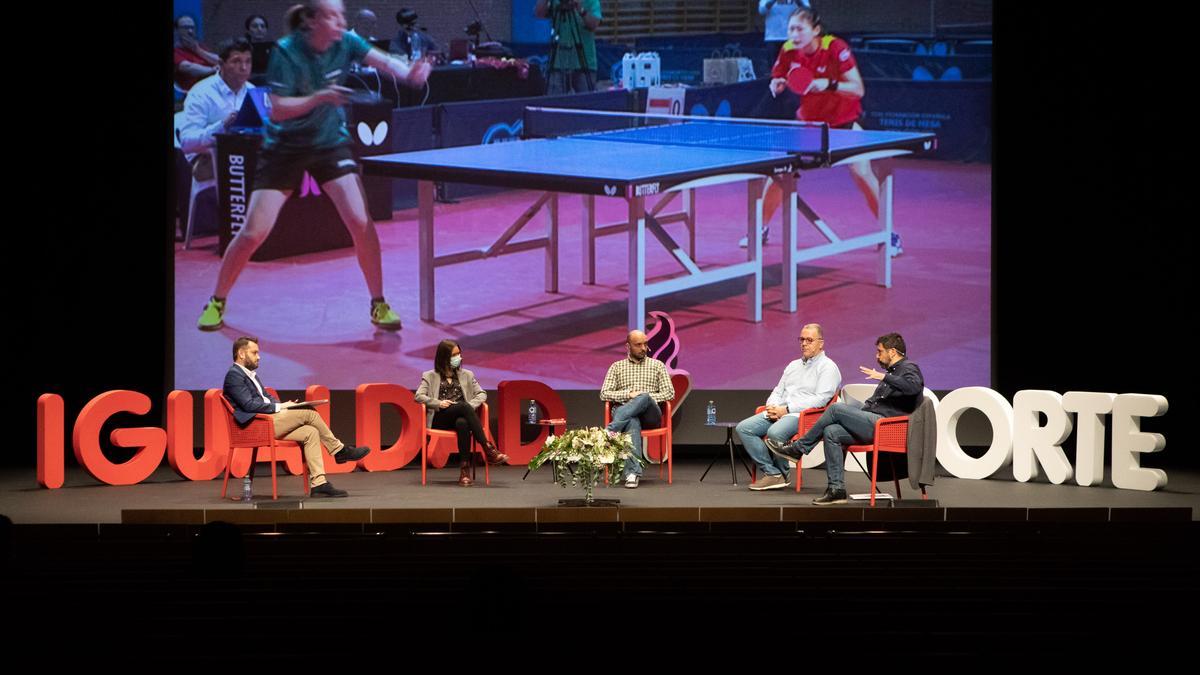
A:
207, 105
807, 384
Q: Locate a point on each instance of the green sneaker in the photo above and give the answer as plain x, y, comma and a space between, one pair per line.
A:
383, 316
212, 318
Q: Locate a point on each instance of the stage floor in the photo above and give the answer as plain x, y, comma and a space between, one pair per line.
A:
399, 497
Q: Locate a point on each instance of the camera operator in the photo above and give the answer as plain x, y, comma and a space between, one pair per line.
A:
573, 24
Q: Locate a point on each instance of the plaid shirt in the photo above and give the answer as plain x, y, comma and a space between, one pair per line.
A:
648, 375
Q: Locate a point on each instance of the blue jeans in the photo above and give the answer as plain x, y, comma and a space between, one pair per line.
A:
641, 412
840, 425
752, 429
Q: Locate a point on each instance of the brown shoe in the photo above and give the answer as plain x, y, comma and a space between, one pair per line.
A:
769, 482
464, 477
493, 455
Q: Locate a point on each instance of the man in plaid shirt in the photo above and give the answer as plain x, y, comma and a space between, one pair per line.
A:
636, 385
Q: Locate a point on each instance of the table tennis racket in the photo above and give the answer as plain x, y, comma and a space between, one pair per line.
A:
799, 79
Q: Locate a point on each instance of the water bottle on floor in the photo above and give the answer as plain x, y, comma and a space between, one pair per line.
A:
533, 412
247, 493
712, 414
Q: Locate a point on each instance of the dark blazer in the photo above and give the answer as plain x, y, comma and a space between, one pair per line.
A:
244, 396
922, 444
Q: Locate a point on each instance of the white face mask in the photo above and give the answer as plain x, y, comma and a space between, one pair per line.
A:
455, 361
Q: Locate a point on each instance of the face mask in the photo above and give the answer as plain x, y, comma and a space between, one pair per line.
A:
455, 361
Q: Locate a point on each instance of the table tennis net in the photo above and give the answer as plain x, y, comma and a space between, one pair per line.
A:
711, 132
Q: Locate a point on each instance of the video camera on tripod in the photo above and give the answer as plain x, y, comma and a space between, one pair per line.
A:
567, 28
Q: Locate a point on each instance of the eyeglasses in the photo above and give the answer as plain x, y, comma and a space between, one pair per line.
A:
811, 340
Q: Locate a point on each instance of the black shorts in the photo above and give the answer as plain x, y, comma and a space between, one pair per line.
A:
285, 170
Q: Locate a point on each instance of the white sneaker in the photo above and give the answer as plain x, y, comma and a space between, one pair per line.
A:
631, 481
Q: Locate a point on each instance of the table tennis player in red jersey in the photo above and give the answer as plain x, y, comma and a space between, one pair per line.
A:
821, 69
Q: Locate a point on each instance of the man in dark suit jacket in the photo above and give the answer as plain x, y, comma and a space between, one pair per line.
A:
249, 398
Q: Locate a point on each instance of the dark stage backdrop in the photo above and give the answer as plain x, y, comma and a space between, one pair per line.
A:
1092, 291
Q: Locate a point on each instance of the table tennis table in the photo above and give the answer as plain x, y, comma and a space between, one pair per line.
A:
635, 156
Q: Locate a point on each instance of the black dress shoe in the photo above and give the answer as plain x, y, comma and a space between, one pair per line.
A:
831, 496
327, 490
791, 451
349, 454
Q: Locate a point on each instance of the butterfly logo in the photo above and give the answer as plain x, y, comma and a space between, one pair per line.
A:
308, 186
723, 110
928, 145
610, 190
371, 137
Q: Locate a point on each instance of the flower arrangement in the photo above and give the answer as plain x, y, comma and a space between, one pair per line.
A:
580, 456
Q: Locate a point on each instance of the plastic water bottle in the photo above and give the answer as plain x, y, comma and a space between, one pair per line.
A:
247, 494
712, 414
414, 44
533, 412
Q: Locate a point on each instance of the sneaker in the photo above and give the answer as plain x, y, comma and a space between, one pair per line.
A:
349, 454
831, 496
383, 316
792, 451
213, 316
770, 482
743, 242
326, 490
631, 481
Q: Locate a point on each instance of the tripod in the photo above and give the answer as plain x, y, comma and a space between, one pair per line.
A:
565, 19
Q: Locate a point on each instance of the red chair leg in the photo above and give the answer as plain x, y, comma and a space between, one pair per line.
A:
253, 463
228, 466
874, 473
274, 480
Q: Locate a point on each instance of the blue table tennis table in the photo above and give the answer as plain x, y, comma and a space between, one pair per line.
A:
635, 156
